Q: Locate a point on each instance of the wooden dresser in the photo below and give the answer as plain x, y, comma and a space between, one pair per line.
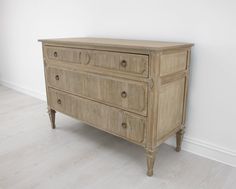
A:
136, 90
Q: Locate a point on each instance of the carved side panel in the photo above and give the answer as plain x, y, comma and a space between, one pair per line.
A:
172, 62
170, 110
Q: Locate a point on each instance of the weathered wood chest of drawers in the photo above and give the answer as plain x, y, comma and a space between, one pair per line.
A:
133, 89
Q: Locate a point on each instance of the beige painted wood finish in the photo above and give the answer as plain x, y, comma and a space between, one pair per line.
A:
133, 64
99, 115
129, 95
172, 62
136, 90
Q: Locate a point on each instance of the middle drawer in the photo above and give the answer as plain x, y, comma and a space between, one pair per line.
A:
128, 95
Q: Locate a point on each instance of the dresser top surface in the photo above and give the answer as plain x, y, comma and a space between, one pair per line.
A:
122, 43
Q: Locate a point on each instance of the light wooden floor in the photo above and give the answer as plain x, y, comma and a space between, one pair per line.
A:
32, 155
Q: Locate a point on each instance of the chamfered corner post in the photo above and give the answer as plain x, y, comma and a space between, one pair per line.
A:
52, 116
179, 139
151, 156
180, 133
153, 99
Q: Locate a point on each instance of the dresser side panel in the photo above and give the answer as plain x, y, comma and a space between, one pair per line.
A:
172, 98
170, 112
173, 61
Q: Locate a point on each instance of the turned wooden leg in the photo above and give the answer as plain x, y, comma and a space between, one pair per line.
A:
52, 115
151, 154
179, 139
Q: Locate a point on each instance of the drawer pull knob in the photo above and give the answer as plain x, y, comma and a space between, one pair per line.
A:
123, 63
124, 125
59, 101
55, 54
57, 77
123, 94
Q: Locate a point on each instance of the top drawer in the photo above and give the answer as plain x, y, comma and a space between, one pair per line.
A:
132, 64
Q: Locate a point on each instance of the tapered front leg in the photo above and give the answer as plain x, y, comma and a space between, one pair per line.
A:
179, 139
151, 155
52, 115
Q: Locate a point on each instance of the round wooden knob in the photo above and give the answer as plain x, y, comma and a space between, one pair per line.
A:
124, 125
123, 94
59, 101
123, 63
55, 54
57, 77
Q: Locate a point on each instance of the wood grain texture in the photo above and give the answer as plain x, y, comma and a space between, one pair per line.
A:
186, 88
71, 55
52, 116
170, 110
110, 119
103, 89
151, 156
133, 89
134, 64
172, 62
152, 119
121, 43
179, 139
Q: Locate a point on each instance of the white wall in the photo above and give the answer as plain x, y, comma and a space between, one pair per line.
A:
210, 24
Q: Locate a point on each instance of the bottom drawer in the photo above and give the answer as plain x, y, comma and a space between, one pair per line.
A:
104, 117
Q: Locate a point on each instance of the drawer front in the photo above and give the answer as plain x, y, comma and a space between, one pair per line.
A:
129, 95
63, 54
132, 64
99, 115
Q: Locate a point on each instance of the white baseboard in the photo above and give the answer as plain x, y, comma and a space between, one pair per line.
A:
206, 150
36, 94
194, 146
